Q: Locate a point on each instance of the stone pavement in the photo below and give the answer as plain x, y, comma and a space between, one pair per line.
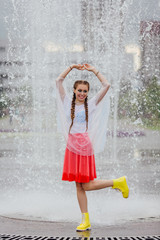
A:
149, 227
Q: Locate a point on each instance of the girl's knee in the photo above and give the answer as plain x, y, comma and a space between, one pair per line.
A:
84, 185
88, 186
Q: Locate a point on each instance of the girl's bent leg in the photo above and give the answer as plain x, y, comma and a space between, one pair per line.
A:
82, 198
97, 184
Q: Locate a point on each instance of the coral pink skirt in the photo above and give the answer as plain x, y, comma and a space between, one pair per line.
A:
77, 167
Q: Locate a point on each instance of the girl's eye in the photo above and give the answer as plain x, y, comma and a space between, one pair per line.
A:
79, 90
84, 91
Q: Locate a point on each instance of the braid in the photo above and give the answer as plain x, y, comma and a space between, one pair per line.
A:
86, 111
72, 110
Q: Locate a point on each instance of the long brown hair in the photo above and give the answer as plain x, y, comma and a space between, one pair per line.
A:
73, 103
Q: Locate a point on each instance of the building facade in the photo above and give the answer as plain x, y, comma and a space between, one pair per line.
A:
150, 50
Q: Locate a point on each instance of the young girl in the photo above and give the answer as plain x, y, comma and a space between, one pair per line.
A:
84, 125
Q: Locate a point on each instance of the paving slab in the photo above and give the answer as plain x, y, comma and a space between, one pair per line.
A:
145, 227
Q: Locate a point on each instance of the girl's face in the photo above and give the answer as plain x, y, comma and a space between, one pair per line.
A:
81, 93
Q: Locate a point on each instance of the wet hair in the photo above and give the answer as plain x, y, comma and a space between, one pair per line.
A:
73, 103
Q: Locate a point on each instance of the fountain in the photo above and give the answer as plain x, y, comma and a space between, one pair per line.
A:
44, 37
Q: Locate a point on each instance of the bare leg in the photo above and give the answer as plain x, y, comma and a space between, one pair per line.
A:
82, 198
97, 184
92, 185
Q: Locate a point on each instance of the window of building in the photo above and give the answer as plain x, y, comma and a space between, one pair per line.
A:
2, 49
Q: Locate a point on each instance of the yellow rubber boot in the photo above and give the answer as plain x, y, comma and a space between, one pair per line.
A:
85, 225
121, 184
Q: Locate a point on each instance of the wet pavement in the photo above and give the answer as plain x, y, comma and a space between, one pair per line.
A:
143, 227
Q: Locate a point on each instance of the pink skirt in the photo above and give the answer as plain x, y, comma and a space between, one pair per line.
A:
78, 168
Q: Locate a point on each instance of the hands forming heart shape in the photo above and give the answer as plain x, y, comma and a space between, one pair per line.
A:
86, 66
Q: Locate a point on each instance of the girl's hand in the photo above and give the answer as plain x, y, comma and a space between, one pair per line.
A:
88, 67
77, 66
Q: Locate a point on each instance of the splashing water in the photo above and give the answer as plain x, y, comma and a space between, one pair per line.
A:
43, 39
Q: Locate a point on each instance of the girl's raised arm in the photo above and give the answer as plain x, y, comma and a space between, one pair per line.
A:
61, 77
102, 79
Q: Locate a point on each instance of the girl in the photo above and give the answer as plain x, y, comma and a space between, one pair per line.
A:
84, 126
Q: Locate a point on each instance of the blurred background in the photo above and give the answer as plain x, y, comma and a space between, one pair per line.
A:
38, 40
